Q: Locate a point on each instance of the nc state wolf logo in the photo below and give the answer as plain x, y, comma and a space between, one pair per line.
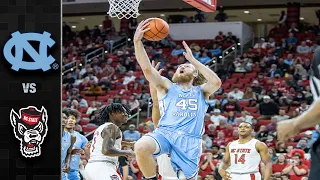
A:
30, 128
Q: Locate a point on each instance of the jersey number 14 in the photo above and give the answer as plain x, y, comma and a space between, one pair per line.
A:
191, 104
241, 159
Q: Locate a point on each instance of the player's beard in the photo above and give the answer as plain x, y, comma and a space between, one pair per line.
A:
182, 78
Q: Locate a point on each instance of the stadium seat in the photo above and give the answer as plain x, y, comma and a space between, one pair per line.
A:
232, 81
83, 110
237, 75
245, 81
103, 98
263, 122
84, 122
250, 75
243, 103
250, 109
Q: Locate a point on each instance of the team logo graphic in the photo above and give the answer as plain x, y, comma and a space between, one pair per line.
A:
21, 42
30, 128
114, 177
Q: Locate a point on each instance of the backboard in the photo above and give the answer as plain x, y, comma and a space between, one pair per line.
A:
203, 5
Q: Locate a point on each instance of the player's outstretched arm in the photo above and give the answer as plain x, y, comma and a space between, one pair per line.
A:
265, 158
225, 164
110, 134
142, 57
155, 108
214, 82
67, 161
290, 128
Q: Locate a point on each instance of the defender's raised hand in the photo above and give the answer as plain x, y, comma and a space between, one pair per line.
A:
156, 66
141, 29
188, 53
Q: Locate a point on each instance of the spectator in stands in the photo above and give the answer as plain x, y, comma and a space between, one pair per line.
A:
107, 24
303, 48
282, 115
231, 38
249, 94
273, 71
281, 147
82, 102
304, 107
272, 153
220, 139
216, 117
256, 87
316, 133
231, 105
133, 165
279, 165
303, 144
204, 58
94, 89
236, 93
309, 138
262, 134
245, 116
132, 134
221, 16
313, 47
231, 119
293, 28
92, 78
132, 26
272, 126
207, 141
74, 104
291, 40
215, 51
296, 170
283, 19
177, 51
129, 78
92, 108
69, 79
208, 164
211, 131
267, 108
299, 71
133, 103
220, 37
289, 61
271, 142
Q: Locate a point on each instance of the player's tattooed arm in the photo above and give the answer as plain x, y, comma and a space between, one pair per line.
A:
225, 164
265, 158
68, 156
214, 82
110, 134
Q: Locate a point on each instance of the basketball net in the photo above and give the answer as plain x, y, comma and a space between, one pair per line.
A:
124, 8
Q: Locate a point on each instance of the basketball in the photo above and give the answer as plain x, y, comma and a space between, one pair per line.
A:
159, 29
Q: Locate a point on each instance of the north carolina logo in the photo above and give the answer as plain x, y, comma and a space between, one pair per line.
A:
30, 128
20, 42
114, 177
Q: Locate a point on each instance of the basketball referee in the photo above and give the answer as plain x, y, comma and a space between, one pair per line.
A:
290, 128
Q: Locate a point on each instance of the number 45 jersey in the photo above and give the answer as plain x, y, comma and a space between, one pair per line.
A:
244, 158
183, 110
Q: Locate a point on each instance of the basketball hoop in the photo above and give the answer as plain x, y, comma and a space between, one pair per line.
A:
124, 8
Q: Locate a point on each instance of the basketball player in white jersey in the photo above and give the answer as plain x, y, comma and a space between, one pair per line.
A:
242, 157
310, 118
106, 144
164, 164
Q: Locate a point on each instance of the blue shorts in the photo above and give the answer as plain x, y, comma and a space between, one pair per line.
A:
73, 175
184, 149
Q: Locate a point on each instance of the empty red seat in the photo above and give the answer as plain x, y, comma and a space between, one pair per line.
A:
263, 122
239, 85
243, 103
250, 109
251, 75
244, 81
103, 98
84, 122
225, 86
83, 110
237, 75
232, 81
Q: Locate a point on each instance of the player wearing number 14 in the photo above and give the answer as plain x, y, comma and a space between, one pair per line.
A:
242, 158
182, 107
